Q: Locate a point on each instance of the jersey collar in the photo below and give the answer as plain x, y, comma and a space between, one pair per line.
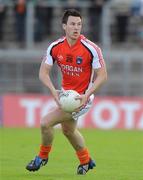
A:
77, 42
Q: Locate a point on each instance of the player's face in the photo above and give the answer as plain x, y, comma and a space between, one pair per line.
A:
73, 27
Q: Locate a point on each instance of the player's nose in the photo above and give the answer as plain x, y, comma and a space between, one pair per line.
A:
76, 27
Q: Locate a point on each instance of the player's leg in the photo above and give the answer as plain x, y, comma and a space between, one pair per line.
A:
49, 121
47, 132
77, 141
72, 134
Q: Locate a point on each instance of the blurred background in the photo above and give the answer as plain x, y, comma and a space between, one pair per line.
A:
28, 26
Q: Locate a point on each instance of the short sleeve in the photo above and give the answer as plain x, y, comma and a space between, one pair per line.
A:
97, 58
95, 51
48, 57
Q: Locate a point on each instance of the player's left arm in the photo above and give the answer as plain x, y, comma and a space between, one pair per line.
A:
101, 77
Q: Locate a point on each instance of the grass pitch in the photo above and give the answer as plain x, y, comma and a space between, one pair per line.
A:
118, 154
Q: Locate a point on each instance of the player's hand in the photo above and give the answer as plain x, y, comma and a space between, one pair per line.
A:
83, 99
56, 95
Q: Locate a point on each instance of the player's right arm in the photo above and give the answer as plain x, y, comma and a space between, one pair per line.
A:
44, 76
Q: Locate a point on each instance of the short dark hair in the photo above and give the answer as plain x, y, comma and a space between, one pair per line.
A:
70, 12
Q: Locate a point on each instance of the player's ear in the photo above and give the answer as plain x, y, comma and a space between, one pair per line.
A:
64, 26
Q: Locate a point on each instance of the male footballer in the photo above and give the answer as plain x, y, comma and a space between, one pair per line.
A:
78, 59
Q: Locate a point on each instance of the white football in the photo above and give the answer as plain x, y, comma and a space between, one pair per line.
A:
68, 101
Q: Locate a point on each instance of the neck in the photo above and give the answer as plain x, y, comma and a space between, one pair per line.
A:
71, 42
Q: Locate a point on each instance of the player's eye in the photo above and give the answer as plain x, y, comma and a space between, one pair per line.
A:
72, 23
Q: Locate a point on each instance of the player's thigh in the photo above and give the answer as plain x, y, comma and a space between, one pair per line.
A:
55, 116
69, 126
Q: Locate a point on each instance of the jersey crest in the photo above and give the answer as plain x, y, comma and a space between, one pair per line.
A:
79, 60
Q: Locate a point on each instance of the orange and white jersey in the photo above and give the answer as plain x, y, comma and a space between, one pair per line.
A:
76, 62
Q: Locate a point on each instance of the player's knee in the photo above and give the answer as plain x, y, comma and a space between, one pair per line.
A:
44, 126
67, 132
44, 123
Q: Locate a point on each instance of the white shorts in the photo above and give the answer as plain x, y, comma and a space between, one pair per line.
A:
83, 110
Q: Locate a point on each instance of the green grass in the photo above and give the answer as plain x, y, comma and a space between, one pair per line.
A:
119, 155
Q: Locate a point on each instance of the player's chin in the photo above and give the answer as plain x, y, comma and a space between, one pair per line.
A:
75, 36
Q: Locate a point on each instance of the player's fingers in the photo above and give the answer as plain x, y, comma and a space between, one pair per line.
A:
78, 98
79, 108
59, 92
